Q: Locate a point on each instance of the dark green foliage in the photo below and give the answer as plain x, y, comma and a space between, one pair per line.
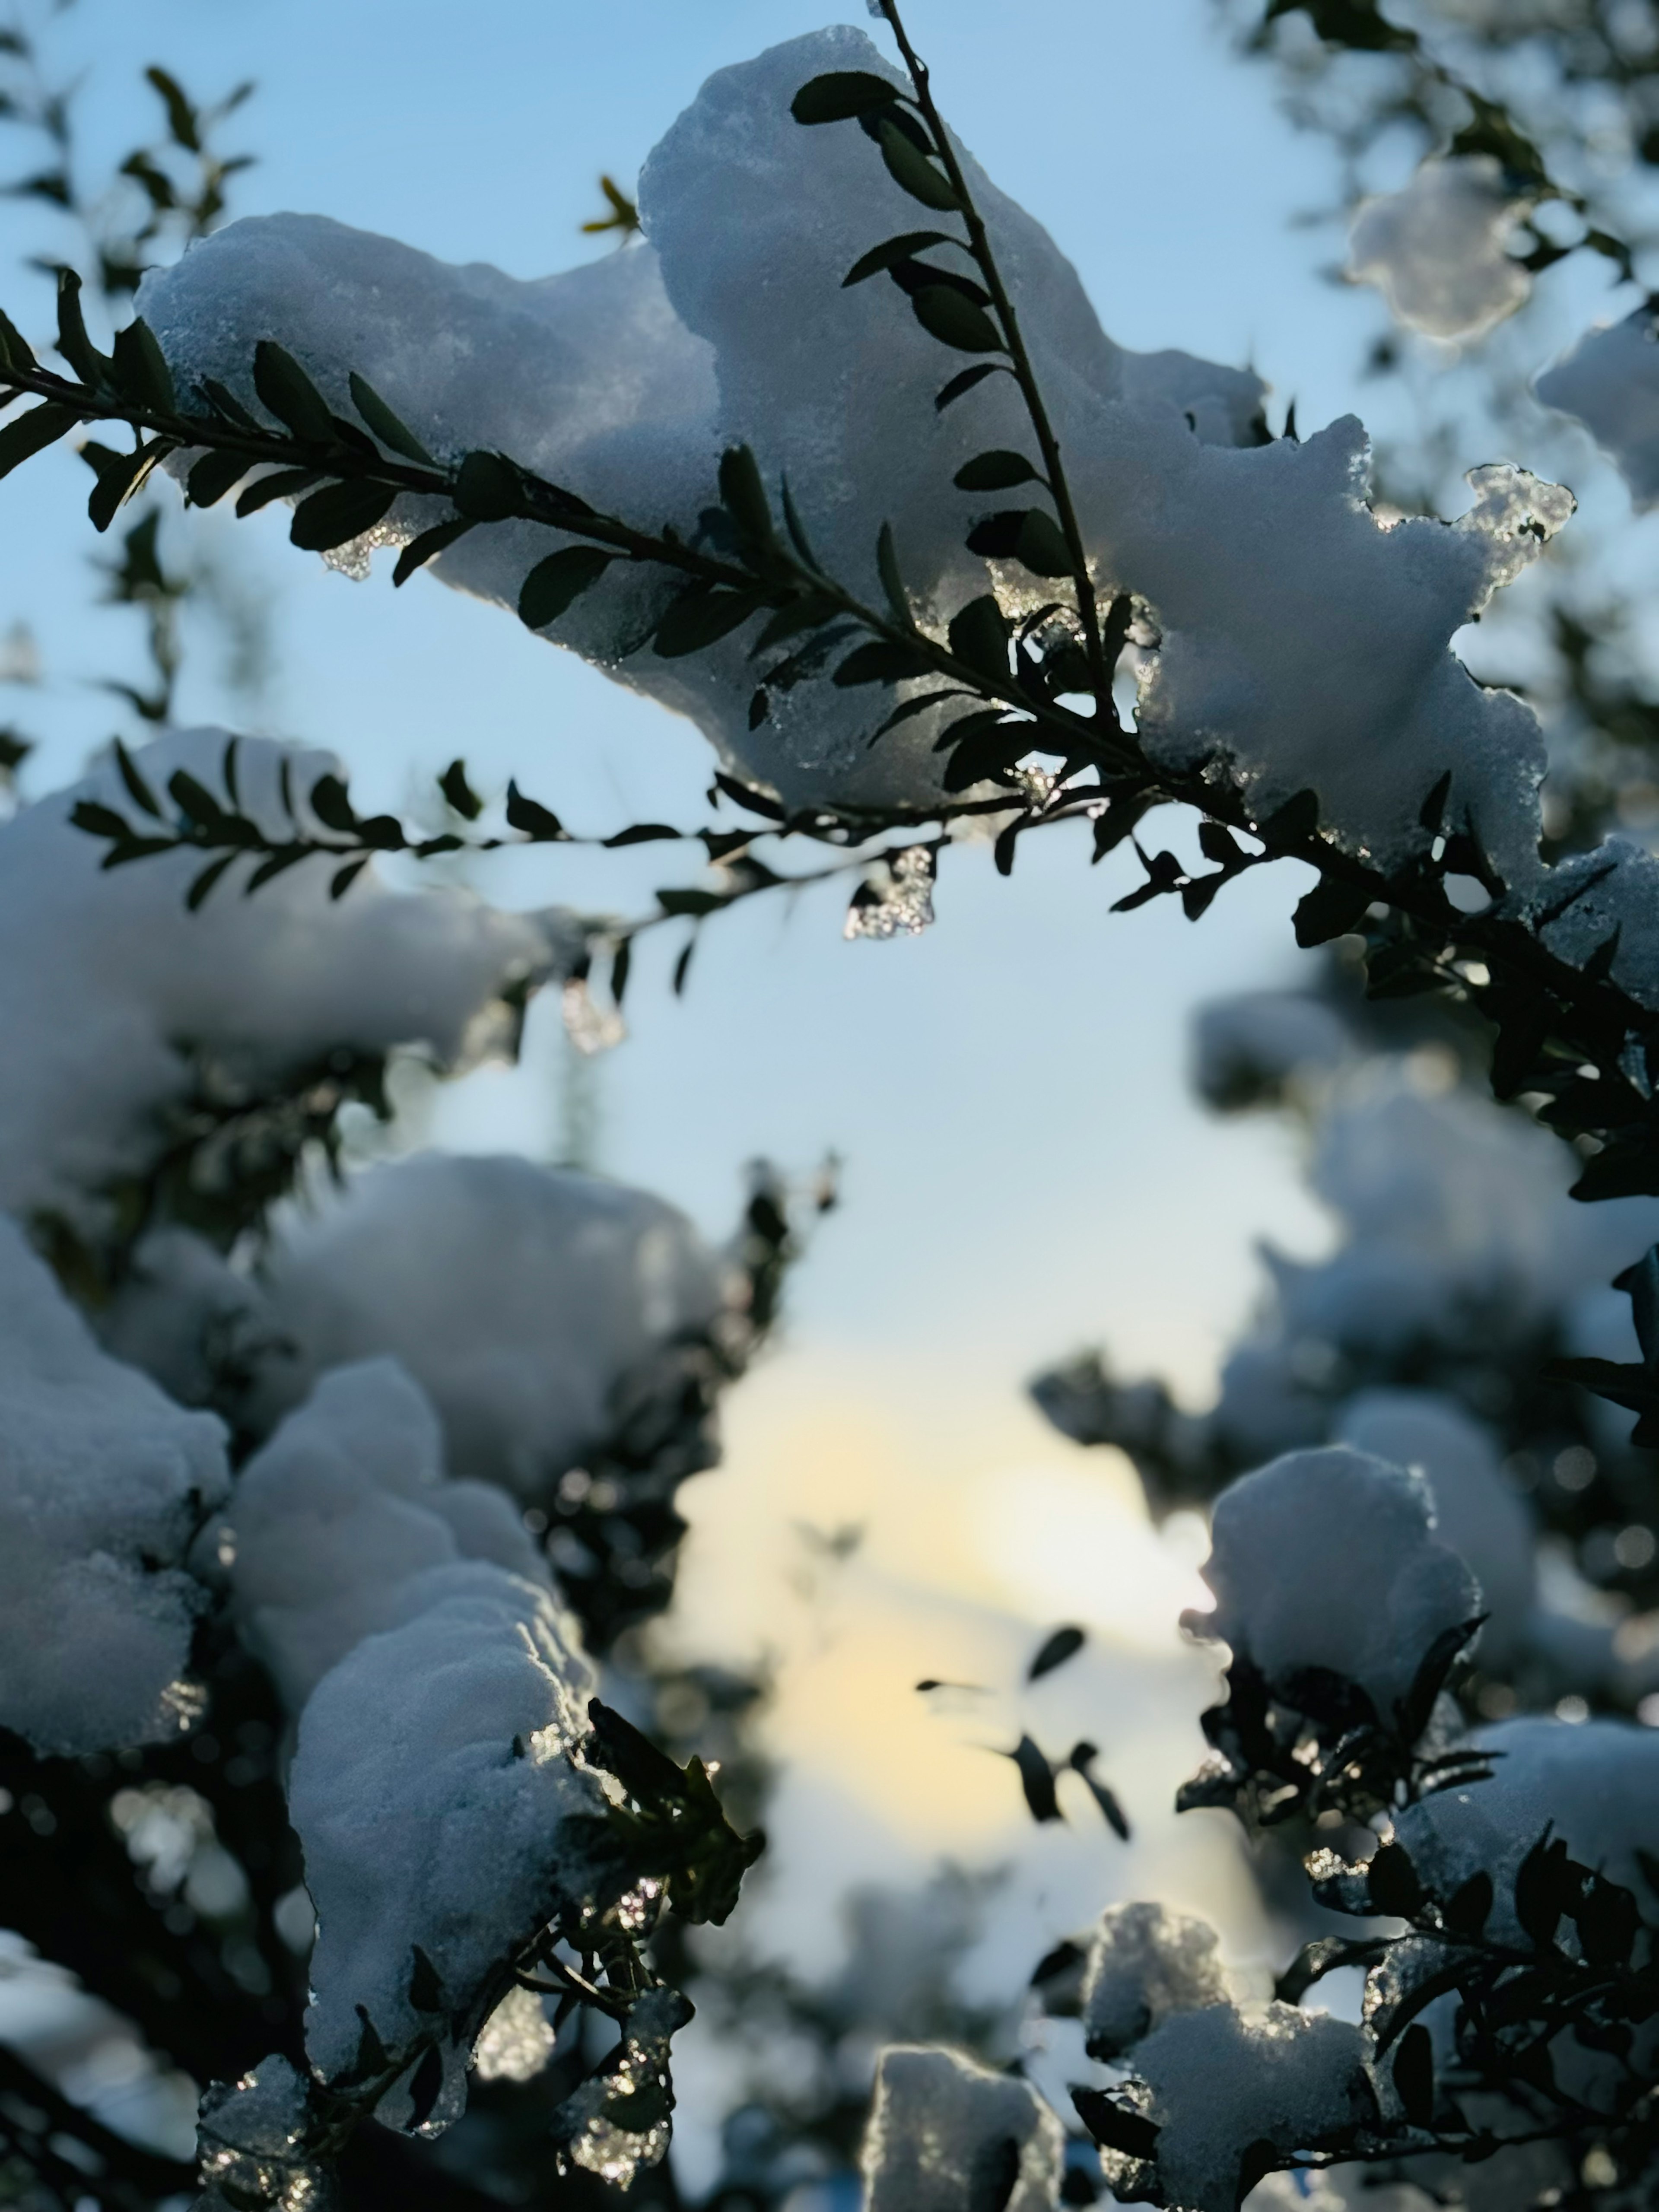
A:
555, 584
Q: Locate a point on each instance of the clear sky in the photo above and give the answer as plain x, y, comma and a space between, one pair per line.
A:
1024, 1169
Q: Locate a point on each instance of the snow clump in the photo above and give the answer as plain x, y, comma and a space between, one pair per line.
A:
1594, 1784
265, 988
104, 1483
339, 1509
1145, 1963
1477, 1510
947, 2135
1328, 1559
1219, 2080
529, 1304
1286, 609
1610, 383
439, 1803
1438, 249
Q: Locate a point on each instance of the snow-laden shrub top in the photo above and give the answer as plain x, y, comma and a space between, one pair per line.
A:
1610, 383
948, 2135
520, 1297
104, 1484
336, 1514
1144, 1963
1285, 609
263, 989
1437, 250
1328, 1560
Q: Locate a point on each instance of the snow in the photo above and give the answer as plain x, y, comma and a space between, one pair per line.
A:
262, 990
942, 2130
437, 1803
343, 1505
1329, 1559
1221, 2079
1146, 1962
1436, 251
1286, 609
1610, 383
1477, 1511
1615, 887
103, 1484
1454, 1222
535, 1306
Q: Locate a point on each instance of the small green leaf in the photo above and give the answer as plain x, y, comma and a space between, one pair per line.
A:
430, 542
339, 512
1028, 535
195, 800
979, 635
879, 662
912, 170
281, 483
182, 119
203, 884
343, 878
288, 392
840, 94
331, 805
641, 833
137, 790
388, 428
458, 793
892, 581
98, 820
1413, 2075
213, 476
1042, 548
891, 250
141, 368
556, 583
700, 617
966, 381
1330, 909
32, 433
945, 314
225, 402
487, 488
995, 472
533, 820
14, 351
76, 347
1063, 1644
118, 476
742, 495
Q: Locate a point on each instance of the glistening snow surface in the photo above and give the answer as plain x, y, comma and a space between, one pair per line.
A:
947, 2135
522, 1299
1287, 611
1144, 1963
431, 1792
103, 1484
1329, 1559
336, 1513
1221, 2079
263, 988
